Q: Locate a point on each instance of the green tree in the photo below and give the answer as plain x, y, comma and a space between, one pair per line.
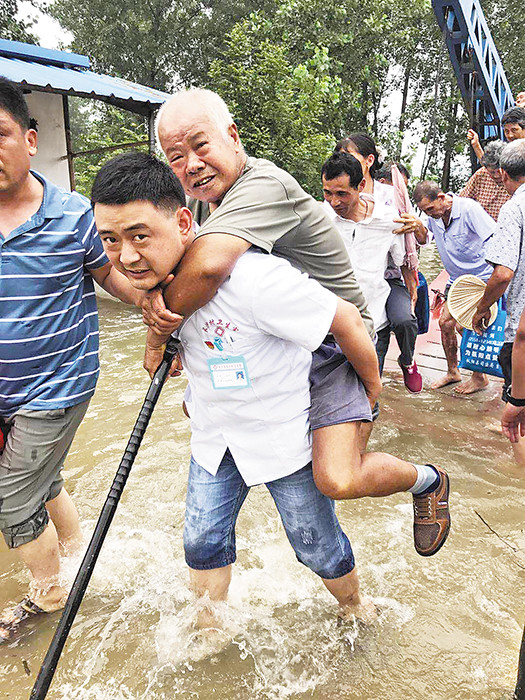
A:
152, 42
299, 73
95, 126
278, 106
12, 28
506, 24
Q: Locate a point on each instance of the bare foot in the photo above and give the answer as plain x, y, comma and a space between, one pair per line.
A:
449, 378
209, 642
49, 597
476, 383
365, 611
494, 427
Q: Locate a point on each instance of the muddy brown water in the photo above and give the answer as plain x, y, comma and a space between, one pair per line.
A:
450, 625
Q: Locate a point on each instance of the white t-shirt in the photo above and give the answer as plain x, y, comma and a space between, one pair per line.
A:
383, 194
265, 321
370, 243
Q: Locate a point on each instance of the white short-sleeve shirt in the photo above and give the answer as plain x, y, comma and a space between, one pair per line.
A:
371, 244
273, 317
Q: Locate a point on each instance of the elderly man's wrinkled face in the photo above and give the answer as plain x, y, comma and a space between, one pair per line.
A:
435, 208
206, 159
513, 131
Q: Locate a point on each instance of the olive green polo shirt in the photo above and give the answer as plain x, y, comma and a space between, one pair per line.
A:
267, 207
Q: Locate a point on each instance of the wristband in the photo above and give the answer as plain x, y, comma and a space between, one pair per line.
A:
510, 399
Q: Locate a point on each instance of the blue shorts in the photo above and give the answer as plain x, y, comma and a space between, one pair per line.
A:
336, 392
213, 504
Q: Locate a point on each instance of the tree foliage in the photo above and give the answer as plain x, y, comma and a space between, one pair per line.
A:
371, 51
299, 74
506, 23
12, 28
133, 40
279, 106
158, 43
96, 126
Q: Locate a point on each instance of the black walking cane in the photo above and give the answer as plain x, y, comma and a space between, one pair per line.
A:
519, 693
47, 670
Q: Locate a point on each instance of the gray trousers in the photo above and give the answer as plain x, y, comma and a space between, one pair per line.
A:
31, 469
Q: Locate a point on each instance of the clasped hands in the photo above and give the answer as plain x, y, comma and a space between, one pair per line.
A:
161, 324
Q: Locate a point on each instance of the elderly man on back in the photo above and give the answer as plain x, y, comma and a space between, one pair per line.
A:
461, 229
506, 252
255, 203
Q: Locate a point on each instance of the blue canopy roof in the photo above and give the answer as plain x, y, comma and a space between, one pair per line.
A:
68, 73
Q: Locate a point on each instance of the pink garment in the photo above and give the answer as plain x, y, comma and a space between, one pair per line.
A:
404, 206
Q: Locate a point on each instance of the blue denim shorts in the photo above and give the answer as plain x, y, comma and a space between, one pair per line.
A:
213, 504
337, 394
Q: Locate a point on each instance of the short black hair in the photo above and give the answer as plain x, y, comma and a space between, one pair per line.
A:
340, 163
364, 145
514, 115
12, 100
135, 176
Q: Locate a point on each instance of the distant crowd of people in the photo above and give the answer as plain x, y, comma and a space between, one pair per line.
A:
284, 308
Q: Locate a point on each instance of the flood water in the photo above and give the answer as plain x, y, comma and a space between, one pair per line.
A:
450, 625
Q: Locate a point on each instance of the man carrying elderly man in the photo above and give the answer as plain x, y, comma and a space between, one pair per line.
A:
247, 353
254, 203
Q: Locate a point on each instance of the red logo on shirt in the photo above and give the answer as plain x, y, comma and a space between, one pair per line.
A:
218, 327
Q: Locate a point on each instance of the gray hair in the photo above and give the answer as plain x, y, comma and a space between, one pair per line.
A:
428, 189
212, 104
492, 154
512, 159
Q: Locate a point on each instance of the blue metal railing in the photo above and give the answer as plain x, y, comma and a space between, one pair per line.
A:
476, 62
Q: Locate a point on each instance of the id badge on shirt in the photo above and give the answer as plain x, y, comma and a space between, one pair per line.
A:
229, 373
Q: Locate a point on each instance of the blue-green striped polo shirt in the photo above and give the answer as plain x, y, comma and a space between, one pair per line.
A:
48, 311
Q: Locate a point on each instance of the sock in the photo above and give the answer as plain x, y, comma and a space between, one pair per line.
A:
427, 479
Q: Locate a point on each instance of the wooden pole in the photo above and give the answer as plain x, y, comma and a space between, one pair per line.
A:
151, 132
69, 150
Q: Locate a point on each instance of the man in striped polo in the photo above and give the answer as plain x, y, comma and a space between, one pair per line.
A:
50, 252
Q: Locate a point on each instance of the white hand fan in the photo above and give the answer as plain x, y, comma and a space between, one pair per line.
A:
463, 298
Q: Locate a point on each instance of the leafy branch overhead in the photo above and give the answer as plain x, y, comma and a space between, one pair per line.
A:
299, 74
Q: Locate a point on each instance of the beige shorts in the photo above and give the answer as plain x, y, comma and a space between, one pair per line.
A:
30, 468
